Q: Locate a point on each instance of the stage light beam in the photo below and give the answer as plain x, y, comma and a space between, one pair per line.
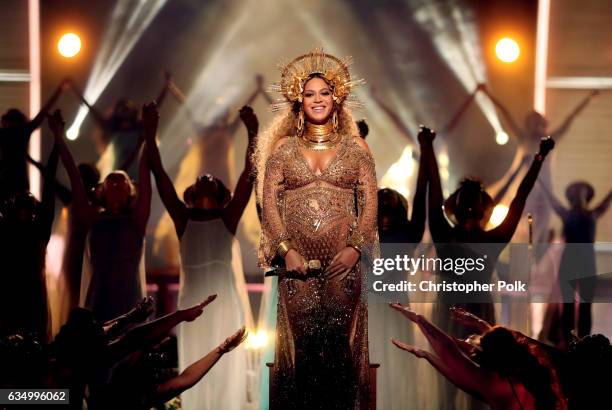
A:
507, 50
69, 45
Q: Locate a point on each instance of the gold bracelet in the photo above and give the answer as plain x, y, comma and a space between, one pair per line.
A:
284, 247
356, 241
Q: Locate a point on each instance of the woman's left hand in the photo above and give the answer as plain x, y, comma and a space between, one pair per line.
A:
342, 263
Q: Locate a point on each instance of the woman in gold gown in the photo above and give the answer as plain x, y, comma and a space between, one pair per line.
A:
317, 190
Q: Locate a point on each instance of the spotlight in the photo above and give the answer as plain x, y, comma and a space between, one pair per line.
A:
69, 45
501, 138
507, 50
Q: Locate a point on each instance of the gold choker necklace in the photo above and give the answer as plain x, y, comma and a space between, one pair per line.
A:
319, 136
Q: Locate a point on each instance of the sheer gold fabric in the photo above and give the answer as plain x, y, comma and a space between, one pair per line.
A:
321, 342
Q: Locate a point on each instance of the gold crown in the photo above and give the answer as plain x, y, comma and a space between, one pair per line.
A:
333, 70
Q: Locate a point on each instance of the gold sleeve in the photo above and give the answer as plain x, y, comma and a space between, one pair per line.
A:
364, 235
273, 231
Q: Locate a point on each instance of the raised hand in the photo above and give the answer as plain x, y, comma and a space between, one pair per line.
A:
233, 341
468, 319
248, 117
546, 145
150, 119
406, 311
57, 124
426, 135
194, 312
482, 87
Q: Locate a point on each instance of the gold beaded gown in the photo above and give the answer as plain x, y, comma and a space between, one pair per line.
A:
321, 357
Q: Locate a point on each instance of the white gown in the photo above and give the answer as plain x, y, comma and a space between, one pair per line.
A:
206, 268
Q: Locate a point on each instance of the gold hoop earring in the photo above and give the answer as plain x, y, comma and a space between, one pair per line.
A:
300, 123
335, 120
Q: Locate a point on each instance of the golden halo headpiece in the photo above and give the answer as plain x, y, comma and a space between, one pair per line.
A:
333, 70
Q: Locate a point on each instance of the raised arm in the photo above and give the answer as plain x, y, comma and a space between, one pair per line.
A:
554, 202
40, 117
80, 203
195, 372
503, 233
518, 132
164, 90
62, 192
175, 207
562, 129
457, 367
395, 118
438, 225
601, 209
143, 202
452, 123
499, 195
48, 194
97, 115
234, 210
417, 220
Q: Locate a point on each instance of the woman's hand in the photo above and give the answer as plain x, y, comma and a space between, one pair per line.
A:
406, 311
468, 319
420, 353
194, 312
426, 135
233, 341
546, 145
294, 262
342, 263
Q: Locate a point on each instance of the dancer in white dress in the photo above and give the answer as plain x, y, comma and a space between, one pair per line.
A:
206, 223
113, 276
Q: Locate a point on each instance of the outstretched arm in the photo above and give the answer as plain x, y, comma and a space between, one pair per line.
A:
395, 118
80, 203
152, 332
452, 123
562, 130
438, 225
97, 115
601, 209
164, 90
48, 194
40, 117
194, 373
234, 210
63, 193
175, 207
554, 202
455, 365
518, 132
503, 233
504, 189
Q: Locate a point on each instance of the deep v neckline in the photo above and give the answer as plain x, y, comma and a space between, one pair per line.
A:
331, 162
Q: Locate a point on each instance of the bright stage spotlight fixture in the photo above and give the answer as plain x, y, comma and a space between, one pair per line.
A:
69, 45
501, 138
507, 50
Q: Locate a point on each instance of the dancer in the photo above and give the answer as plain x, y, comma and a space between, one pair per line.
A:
528, 138
15, 133
113, 277
311, 164
121, 131
470, 207
400, 236
578, 260
205, 225
510, 373
25, 230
